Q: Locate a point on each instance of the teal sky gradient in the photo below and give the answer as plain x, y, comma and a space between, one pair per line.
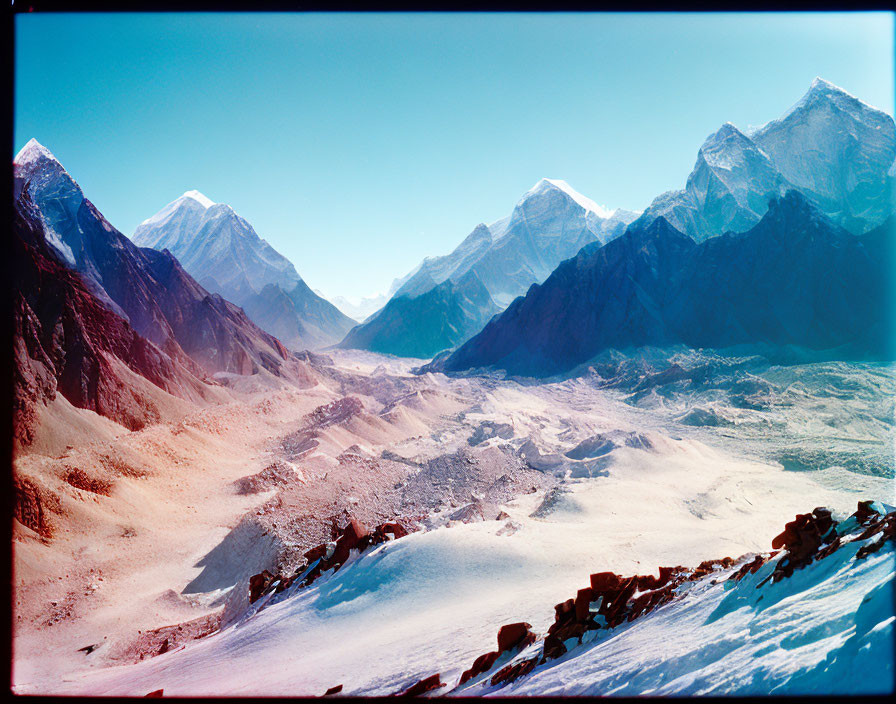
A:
358, 144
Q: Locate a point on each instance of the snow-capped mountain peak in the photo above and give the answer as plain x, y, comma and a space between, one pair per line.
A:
548, 184
823, 94
33, 152
200, 198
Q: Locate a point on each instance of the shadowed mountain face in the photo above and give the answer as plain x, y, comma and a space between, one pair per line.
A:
831, 147
149, 289
793, 279
424, 325
67, 342
225, 254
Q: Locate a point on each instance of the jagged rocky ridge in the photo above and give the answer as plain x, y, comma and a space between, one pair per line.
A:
225, 254
550, 223
149, 289
794, 279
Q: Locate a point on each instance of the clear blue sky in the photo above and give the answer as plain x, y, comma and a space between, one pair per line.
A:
358, 144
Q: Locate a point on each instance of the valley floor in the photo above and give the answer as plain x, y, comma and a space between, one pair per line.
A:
616, 471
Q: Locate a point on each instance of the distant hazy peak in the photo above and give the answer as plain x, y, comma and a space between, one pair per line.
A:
190, 199
199, 198
548, 184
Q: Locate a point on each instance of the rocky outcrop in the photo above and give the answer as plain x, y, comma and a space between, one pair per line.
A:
512, 638
427, 684
612, 600
273, 476
354, 536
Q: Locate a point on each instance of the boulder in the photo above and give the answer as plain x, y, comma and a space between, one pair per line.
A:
427, 684
604, 581
482, 664
258, 583
511, 635
584, 597
512, 672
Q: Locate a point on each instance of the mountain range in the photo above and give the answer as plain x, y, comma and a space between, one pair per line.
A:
225, 254
150, 289
834, 149
794, 279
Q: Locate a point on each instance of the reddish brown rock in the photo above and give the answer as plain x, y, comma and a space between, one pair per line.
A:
511, 635
333, 690
749, 568
553, 647
864, 512
353, 533
509, 673
584, 597
886, 527
258, 583
155, 694
316, 553
503, 516
482, 664
382, 531
802, 538
603, 581
425, 685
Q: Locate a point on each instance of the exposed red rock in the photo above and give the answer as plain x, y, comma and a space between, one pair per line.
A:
802, 539
332, 555
333, 690
511, 635
809, 536
514, 671
155, 694
481, 664
258, 583
425, 685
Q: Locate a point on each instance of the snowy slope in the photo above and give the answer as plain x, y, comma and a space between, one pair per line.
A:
433, 601
828, 629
